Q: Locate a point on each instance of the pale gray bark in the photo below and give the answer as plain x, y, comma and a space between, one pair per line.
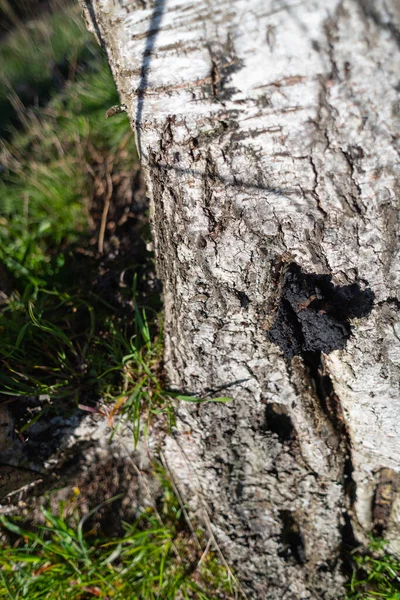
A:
269, 127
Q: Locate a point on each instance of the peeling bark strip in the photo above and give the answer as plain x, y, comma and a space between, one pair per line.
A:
269, 132
384, 497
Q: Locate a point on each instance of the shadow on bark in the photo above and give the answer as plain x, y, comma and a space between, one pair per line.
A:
155, 23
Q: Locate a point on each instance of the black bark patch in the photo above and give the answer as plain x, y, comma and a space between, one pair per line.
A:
291, 537
243, 299
313, 314
278, 421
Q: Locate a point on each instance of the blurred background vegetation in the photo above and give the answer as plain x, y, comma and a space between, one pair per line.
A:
73, 213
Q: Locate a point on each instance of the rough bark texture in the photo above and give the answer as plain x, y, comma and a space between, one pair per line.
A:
269, 134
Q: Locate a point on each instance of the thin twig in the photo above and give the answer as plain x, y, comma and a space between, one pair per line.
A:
178, 495
106, 208
203, 556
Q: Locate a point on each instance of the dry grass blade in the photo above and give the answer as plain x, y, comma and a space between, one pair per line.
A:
106, 208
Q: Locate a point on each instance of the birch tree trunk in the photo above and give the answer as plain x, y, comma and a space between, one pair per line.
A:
269, 135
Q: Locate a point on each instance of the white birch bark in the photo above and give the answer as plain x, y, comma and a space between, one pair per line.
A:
267, 127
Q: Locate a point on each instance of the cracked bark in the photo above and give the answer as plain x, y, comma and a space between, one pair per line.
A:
269, 134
